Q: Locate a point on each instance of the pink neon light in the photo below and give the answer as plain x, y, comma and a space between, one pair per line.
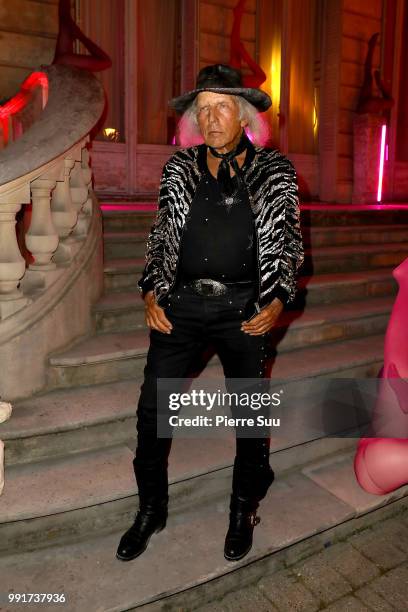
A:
381, 166
20, 100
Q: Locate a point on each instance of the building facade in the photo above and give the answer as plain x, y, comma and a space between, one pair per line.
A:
312, 51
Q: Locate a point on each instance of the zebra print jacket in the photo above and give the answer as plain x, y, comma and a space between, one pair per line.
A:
270, 179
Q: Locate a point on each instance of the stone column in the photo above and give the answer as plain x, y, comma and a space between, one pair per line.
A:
42, 237
87, 176
86, 170
63, 211
64, 215
5, 412
79, 194
12, 264
366, 142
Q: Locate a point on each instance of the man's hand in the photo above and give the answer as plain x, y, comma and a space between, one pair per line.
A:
154, 315
265, 320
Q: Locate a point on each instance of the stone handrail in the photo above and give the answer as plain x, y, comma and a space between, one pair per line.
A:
48, 167
19, 113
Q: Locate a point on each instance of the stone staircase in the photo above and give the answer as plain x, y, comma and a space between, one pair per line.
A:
70, 489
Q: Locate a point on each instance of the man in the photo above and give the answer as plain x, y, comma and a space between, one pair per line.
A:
221, 263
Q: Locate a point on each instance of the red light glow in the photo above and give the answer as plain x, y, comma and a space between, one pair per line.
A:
20, 100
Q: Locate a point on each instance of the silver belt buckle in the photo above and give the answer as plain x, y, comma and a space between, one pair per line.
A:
207, 286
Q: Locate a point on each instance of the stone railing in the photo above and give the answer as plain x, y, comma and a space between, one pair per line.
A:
48, 167
46, 174
19, 113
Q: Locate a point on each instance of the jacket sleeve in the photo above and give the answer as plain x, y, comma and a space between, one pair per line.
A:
292, 255
156, 237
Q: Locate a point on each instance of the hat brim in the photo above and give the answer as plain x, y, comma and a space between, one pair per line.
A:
257, 97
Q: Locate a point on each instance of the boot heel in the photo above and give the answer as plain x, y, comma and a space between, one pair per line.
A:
243, 519
161, 526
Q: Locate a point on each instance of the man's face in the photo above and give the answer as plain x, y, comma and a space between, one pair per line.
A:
217, 117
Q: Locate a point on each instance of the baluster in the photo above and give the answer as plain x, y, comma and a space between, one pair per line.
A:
87, 174
42, 237
79, 194
86, 169
64, 215
5, 413
12, 264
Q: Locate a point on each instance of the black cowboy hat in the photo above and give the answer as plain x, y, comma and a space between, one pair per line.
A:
224, 79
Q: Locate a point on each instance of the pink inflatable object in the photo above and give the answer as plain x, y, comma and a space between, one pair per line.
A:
381, 463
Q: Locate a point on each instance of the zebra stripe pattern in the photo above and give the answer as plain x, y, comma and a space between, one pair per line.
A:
273, 193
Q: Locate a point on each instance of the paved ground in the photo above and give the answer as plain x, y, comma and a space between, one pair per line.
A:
367, 571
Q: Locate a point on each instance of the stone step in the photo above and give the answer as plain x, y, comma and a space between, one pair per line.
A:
82, 492
127, 220
359, 234
119, 311
40, 426
124, 244
142, 201
323, 215
189, 552
133, 244
295, 329
123, 274
323, 260
334, 288
99, 359
68, 421
111, 357
330, 323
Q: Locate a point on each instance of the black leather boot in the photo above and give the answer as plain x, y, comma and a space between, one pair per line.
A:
243, 518
252, 477
151, 478
150, 519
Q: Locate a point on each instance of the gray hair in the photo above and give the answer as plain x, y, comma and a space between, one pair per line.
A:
259, 131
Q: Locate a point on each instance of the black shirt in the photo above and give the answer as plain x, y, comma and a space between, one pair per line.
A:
219, 235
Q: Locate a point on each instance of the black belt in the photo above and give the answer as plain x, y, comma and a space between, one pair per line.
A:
208, 286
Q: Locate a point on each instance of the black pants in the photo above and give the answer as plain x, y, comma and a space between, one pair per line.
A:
196, 321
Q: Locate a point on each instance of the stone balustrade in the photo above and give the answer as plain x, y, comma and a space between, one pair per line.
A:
61, 207
48, 167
